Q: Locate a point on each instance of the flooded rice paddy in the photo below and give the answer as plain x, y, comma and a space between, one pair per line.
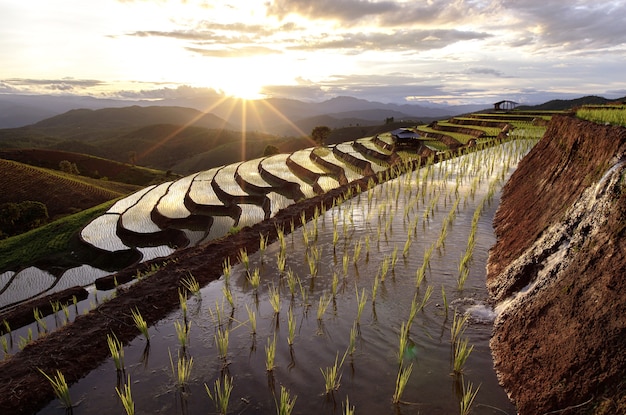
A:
418, 242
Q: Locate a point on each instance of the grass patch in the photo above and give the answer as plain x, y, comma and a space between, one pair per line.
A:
52, 240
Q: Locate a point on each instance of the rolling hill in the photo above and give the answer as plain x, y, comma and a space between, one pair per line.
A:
62, 193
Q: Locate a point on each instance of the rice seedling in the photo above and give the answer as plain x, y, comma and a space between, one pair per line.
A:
221, 341
461, 353
182, 371
352, 343
394, 258
420, 274
218, 314
335, 235
25, 341
60, 388
304, 294
445, 300
274, 297
182, 333
334, 284
291, 282
285, 404
291, 326
384, 268
191, 284
262, 243
182, 299
251, 320
460, 283
407, 246
322, 305
117, 351
427, 294
221, 394
42, 326
357, 252
228, 294
243, 258
441, 241
255, 279
467, 397
458, 327
361, 300
226, 270
345, 262
412, 312
140, 323
403, 342
332, 375
56, 306
281, 262
404, 373
347, 409
126, 397
7, 326
5, 346
270, 354
313, 257
375, 285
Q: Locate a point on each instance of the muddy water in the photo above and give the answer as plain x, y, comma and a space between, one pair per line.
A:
386, 218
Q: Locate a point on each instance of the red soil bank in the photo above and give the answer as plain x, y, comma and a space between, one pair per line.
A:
561, 343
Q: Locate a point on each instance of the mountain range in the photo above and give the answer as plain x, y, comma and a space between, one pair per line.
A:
277, 116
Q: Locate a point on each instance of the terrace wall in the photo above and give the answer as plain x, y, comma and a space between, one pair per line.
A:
557, 273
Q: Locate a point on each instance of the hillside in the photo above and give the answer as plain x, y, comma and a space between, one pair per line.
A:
89, 166
557, 273
62, 193
566, 104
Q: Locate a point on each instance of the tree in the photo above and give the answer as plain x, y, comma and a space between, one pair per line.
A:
16, 218
320, 134
270, 150
68, 167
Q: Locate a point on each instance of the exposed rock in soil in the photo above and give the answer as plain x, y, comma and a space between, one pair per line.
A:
557, 273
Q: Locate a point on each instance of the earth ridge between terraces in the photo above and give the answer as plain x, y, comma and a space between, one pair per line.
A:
559, 347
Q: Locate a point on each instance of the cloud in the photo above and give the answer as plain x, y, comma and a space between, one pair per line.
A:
346, 10
400, 40
64, 84
571, 26
230, 52
486, 71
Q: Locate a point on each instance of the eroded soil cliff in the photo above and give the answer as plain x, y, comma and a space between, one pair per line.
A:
558, 273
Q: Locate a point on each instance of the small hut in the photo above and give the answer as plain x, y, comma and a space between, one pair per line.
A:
505, 105
403, 137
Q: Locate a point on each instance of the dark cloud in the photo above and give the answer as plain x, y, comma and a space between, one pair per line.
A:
570, 25
486, 71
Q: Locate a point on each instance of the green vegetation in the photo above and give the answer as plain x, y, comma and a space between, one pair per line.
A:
221, 394
54, 239
60, 388
126, 397
610, 114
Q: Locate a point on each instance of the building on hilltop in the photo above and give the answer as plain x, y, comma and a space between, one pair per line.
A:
505, 105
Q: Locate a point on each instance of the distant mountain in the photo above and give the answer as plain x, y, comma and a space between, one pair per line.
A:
268, 115
566, 104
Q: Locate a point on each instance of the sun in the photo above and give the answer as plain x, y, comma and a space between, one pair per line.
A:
247, 88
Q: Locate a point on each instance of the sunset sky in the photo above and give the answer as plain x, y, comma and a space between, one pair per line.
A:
401, 51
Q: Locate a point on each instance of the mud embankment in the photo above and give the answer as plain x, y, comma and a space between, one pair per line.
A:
558, 273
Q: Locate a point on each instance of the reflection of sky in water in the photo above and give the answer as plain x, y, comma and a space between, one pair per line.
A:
26, 284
